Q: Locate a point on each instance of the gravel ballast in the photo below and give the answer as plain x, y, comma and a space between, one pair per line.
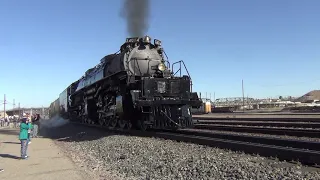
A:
110, 156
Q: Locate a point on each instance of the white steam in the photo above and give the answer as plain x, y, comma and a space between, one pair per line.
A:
54, 122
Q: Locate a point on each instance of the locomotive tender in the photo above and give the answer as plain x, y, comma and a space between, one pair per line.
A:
133, 87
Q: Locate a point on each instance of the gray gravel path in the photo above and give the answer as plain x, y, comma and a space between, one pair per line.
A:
122, 157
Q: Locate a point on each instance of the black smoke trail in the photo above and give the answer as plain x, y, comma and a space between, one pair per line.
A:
136, 14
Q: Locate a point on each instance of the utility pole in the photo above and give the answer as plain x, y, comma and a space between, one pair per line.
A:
13, 107
242, 96
19, 110
4, 107
248, 104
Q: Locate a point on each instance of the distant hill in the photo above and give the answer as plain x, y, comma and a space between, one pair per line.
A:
312, 95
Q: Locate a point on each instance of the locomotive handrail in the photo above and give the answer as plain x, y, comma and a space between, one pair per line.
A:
134, 68
168, 63
185, 67
179, 70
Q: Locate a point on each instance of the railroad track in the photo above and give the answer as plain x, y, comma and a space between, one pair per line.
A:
261, 123
280, 119
262, 130
306, 152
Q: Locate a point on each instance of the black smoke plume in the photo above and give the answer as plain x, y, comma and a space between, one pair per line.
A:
136, 14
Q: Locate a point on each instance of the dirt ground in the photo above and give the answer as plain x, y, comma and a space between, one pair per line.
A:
46, 160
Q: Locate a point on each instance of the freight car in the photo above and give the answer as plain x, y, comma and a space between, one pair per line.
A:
134, 87
54, 108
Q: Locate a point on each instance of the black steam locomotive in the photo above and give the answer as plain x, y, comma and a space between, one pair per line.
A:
134, 87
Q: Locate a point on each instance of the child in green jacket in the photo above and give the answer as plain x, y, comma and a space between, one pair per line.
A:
23, 136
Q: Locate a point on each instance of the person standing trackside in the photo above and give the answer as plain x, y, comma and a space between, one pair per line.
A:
36, 122
23, 136
29, 130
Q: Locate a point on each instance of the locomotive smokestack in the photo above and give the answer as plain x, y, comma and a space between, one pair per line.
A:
136, 14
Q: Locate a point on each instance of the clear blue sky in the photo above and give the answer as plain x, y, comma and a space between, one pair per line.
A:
273, 45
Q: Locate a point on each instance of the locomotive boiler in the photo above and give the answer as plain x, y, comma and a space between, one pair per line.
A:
135, 87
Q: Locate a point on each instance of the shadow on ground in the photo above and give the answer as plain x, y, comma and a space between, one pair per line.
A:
9, 156
61, 130
8, 131
11, 142
73, 133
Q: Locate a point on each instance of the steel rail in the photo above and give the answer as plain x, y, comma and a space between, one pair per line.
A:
286, 119
263, 130
295, 143
261, 123
308, 157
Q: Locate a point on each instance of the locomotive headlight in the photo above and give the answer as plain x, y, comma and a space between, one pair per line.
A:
161, 67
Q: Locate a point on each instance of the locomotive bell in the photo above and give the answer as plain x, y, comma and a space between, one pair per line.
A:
147, 39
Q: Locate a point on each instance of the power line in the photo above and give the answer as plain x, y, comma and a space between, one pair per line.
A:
7, 102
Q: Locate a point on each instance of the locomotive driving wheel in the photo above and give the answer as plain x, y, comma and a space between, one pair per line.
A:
101, 120
113, 122
141, 123
129, 125
84, 119
122, 123
106, 121
89, 121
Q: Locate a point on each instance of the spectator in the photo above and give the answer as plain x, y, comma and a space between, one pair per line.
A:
29, 130
36, 123
23, 136
9, 122
5, 121
2, 122
15, 122
18, 122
